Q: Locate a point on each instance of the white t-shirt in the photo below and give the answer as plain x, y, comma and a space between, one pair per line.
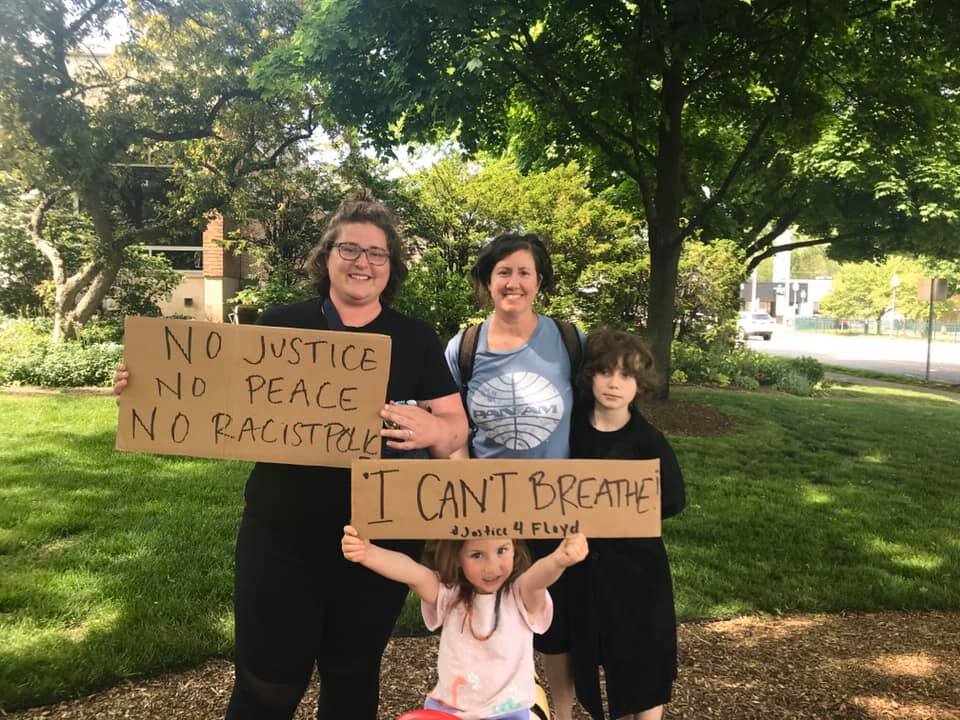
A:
485, 678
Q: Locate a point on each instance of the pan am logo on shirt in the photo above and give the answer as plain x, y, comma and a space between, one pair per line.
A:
517, 410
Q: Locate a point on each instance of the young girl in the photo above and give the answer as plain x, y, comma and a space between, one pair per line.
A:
620, 611
490, 601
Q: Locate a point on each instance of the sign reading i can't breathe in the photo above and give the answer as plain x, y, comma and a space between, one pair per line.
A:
434, 499
304, 397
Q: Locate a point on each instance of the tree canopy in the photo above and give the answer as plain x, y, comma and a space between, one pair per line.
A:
869, 290
712, 120
104, 131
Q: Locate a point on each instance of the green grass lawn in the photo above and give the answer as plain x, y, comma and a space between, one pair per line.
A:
111, 564
115, 564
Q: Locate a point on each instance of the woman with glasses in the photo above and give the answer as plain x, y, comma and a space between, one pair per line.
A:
297, 601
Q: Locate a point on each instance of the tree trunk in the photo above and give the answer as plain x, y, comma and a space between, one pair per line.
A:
664, 232
664, 262
79, 296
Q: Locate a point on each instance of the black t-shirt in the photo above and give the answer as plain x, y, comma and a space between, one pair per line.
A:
317, 499
637, 440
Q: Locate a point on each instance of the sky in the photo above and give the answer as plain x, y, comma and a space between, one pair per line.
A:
115, 33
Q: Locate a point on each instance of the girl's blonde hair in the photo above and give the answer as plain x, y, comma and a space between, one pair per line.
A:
444, 557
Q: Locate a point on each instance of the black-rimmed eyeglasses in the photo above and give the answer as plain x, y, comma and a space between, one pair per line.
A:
351, 251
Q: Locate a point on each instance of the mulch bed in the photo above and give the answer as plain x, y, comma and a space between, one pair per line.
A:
853, 666
684, 417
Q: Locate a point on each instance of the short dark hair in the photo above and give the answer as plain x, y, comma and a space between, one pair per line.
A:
443, 556
605, 350
507, 244
360, 208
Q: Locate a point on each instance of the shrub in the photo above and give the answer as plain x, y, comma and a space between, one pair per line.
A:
746, 382
102, 330
28, 357
809, 367
767, 368
23, 343
722, 365
690, 360
720, 379
794, 383
272, 292
70, 364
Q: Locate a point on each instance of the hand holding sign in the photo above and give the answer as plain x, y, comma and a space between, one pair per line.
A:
353, 546
409, 426
120, 378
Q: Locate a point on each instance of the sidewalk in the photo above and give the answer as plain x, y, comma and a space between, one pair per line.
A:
844, 379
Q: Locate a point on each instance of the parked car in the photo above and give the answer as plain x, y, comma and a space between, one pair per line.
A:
755, 323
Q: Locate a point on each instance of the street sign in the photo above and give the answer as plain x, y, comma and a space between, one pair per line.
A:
931, 289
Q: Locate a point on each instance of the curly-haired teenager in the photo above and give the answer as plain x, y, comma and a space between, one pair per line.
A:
620, 613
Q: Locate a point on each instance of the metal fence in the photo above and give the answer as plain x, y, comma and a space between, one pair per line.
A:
899, 327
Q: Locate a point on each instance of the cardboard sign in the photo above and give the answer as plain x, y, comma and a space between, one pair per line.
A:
435, 499
251, 392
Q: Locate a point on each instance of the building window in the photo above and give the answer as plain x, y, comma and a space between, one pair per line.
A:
180, 257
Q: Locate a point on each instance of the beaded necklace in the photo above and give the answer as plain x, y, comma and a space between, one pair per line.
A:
496, 618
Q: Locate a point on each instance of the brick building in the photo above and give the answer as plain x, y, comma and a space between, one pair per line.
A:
211, 274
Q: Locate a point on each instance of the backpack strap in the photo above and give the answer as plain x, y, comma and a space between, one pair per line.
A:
465, 357
467, 354
571, 340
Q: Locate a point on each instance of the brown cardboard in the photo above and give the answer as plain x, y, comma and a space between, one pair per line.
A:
252, 392
434, 499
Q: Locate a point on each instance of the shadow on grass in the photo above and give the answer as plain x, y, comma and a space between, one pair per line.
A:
809, 508
113, 564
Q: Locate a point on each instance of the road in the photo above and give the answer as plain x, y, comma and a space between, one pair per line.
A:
900, 356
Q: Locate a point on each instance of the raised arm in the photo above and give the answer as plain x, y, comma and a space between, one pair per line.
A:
393, 565
546, 571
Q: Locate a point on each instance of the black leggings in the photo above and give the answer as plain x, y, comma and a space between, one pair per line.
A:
297, 604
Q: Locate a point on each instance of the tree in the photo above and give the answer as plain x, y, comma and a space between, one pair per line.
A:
437, 294
22, 265
281, 215
813, 262
590, 238
282, 210
865, 290
143, 281
721, 119
101, 132
708, 290
601, 262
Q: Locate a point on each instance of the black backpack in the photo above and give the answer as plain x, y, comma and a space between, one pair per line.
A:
468, 353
